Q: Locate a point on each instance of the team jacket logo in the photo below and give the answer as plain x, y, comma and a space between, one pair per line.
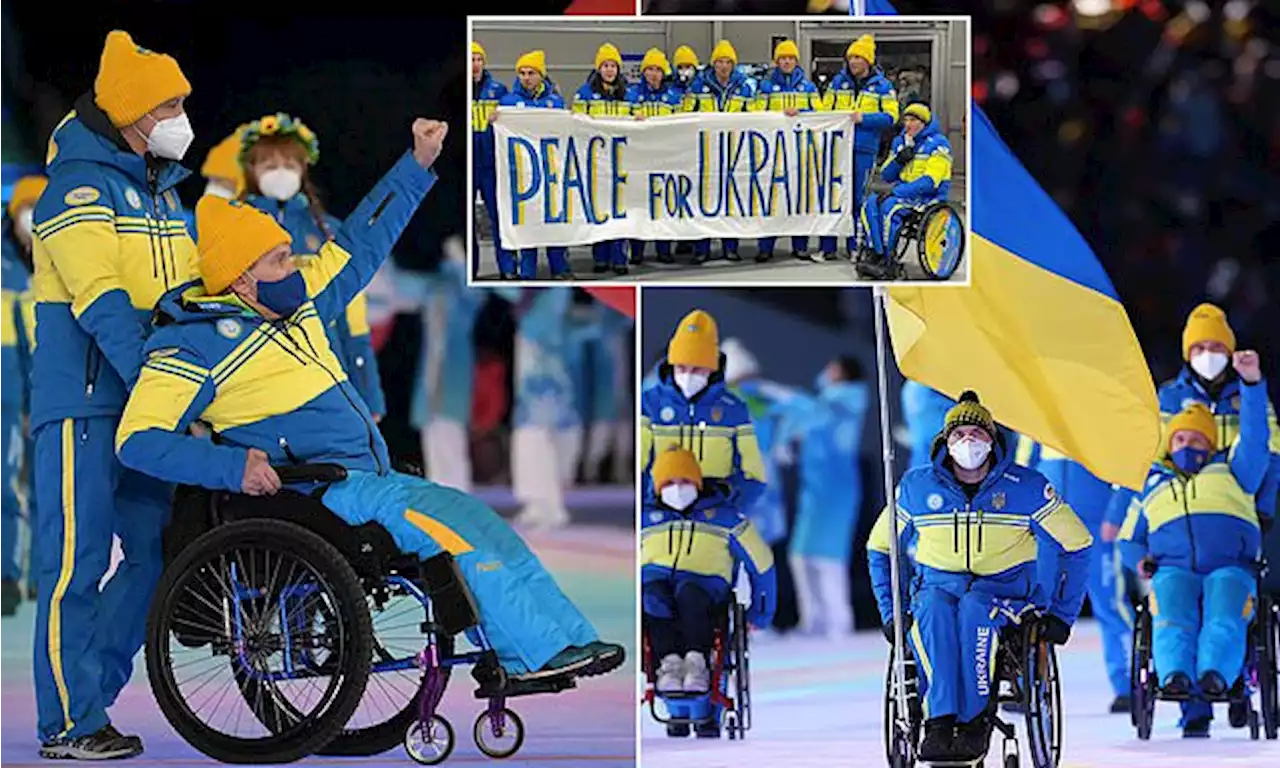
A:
131, 197
668, 413
81, 196
229, 329
716, 414
313, 243
997, 501
934, 501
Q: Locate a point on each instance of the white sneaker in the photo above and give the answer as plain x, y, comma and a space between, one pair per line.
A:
817, 257
697, 678
542, 517
671, 674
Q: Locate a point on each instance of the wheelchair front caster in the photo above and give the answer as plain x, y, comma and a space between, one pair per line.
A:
1255, 729
1010, 754
499, 734
731, 725
678, 730
430, 744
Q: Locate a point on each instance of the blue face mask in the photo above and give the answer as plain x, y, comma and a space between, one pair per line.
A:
1189, 459
283, 296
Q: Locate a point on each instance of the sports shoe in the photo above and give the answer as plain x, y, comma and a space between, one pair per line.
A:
605, 657
939, 739
671, 676
697, 678
10, 597
678, 730
817, 257
1197, 728
104, 744
1213, 684
567, 662
1121, 705
972, 739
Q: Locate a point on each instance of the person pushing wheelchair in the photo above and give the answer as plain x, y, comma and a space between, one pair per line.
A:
1196, 534
976, 519
244, 349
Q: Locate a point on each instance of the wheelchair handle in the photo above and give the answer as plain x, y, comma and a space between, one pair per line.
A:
311, 473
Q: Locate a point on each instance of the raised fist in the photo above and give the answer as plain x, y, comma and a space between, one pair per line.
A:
428, 140
1247, 365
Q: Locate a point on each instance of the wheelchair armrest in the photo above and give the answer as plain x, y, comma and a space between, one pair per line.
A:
311, 473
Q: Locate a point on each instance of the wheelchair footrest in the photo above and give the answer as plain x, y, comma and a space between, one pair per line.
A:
684, 695
515, 688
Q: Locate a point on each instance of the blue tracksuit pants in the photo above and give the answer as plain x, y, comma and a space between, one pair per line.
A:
11, 431
637, 249
881, 218
85, 639
525, 616
611, 253
486, 180
798, 244
863, 164
557, 259
1199, 624
703, 247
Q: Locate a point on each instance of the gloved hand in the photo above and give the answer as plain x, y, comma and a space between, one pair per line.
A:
758, 613
907, 621
905, 155
1054, 629
1147, 567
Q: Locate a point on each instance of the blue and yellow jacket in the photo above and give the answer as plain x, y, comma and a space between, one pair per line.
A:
704, 544
272, 385
14, 339
484, 100
779, 92
873, 96
990, 541
1185, 389
1088, 496
706, 94
1208, 520
654, 102
349, 333
110, 239
547, 97
595, 99
715, 425
927, 176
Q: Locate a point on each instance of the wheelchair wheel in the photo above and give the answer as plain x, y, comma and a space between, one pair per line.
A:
498, 734
291, 617
1143, 682
899, 744
940, 240
1267, 626
1042, 700
741, 674
430, 745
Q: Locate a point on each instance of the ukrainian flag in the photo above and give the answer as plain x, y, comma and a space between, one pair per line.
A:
1041, 334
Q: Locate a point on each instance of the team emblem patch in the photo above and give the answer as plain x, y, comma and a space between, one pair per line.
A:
668, 413
313, 243
229, 329
708, 513
997, 501
131, 197
1049, 491
717, 414
1187, 402
934, 501
655, 517
1235, 402
81, 196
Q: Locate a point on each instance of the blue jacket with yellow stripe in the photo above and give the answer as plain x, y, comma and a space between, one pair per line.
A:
546, 97
272, 385
349, 333
704, 544
1088, 496
990, 540
654, 102
715, 425
595, 99
485, 96
110, 239
706, 94
14, 341
873, 96
779, 91
927, 176
1208, 520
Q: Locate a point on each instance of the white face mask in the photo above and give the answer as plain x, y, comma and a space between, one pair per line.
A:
25, 222
691, 383
171, 137
969, 453
280, 183
217, 190
679, 495
1208, 364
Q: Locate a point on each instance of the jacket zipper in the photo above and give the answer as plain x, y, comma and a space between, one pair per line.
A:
1186, 516
91, 368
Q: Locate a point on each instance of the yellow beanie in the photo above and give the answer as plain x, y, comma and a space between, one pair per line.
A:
676, 464
132, 80
26, 192
655, 58
608, 52
223, 161
685, 57
786, 48
864, 48
724, 50
1207, 323
1196, 418
477, 48
696, 342
966, 412
919, 111
233, 235
534, 60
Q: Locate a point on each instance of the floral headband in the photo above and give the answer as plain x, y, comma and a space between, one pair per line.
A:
280, 124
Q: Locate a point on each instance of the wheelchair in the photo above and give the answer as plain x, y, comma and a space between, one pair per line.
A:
300, 612
1038, 695
938, 232
1262, 644
729, 699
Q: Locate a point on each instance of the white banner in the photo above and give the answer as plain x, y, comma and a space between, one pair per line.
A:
566, 179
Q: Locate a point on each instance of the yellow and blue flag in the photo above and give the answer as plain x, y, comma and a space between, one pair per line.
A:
1041, 334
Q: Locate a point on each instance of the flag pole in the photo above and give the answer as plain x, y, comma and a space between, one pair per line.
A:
899, 688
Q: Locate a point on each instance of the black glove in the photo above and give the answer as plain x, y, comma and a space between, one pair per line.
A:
905, 155
1054, 629
907, 621
1147, 567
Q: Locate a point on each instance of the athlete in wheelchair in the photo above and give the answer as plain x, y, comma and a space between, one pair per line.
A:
916, 209
975, 520
282, 608
1204, 635
695, 633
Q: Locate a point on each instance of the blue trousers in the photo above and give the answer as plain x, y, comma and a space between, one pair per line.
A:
486, 180
526, 617
557, 259
85, 638
798, 244
954, 638
1199, 625
637, 248
612, 253
863, 163
881, 219
703, 247
10, 507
